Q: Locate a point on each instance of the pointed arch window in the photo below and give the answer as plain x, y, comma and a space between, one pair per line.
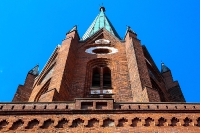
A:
101, 77
96, 77
106, 77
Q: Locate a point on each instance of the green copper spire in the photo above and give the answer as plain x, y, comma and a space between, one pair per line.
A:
101, 21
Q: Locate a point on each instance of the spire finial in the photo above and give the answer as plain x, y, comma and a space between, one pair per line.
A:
162, 63
102, 8
128, 27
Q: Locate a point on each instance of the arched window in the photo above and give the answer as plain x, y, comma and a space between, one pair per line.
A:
96, 77
98, 83
101, 77
106, 77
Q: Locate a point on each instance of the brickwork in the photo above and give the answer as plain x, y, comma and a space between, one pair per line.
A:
157, 79
173, 87
169, 80
69, 46
115, 117
63, 67
118, 89
76, 80
134, 75
24, 91
138, 93
43, 79
116, 62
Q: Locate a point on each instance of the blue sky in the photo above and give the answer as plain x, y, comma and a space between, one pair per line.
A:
31, 29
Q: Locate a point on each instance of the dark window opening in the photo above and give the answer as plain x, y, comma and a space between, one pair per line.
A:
107, 96
106, 78
96, 77
101, 51
101, 105
86, 105
101, 82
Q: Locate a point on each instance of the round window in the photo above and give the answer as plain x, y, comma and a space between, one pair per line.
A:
101, 50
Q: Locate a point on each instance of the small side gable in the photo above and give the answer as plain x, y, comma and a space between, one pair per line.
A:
101, 34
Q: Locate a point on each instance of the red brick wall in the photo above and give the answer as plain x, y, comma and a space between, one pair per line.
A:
43, 79
62, 75
66, 89
156, 77
130, 75
173, 87
124, 117
72, 72
139, 77
24, 91
116, 62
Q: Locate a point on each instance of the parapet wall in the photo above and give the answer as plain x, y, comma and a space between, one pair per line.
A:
94, 115
96, 104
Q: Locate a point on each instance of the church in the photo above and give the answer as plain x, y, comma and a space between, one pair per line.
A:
100, 83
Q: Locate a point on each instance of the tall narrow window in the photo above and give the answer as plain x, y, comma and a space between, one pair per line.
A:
101, 86
96, 77
101, 77
106, 77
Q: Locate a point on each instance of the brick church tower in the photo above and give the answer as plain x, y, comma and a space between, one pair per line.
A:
102, 65
98, 83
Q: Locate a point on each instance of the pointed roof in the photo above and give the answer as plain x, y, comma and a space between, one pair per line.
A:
73, 29
164, 68
101, 21
128, 29
35, 70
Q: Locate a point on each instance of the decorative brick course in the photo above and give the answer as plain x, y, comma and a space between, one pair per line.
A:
117, 117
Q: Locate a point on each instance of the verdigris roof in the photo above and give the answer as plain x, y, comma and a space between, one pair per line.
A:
164, 68
101, 21
35, 70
